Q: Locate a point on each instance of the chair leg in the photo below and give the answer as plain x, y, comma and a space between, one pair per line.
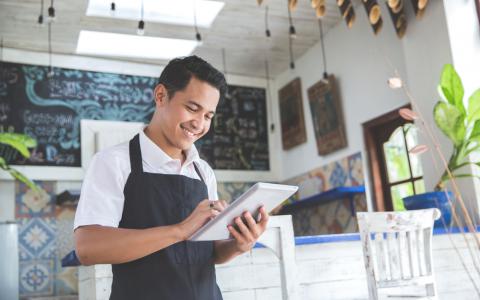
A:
372, 289
431, 291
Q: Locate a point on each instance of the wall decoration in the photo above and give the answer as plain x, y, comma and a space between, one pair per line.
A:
319, 6
418, 6
291, 114
327, 116
335, 216
397, 14
374, 14
49, 109
347, 12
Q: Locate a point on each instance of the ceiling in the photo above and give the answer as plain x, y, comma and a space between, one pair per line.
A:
239, 28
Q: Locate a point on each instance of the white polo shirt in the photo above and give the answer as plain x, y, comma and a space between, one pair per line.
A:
101, 199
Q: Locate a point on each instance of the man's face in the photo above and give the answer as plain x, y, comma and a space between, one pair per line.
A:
187, 116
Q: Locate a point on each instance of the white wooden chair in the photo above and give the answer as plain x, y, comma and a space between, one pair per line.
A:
397, 250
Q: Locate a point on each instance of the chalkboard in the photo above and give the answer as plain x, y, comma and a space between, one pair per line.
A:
239, 139
50, 110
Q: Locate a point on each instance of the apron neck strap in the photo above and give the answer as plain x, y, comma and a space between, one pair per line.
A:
198, 172
136, 155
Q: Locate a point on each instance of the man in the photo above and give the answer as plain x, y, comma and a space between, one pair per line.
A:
141, 200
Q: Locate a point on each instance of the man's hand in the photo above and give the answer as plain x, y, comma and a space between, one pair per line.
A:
204, 212
248, 230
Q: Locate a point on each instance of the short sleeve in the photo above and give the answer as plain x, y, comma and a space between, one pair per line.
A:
101, 197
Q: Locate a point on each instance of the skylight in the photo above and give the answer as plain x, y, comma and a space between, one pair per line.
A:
179, 12
124, 45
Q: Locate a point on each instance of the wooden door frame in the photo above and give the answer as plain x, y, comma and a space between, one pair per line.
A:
377, 175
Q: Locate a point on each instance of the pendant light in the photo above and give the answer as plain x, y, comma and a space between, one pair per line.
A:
198, 36
267, 30
40, 16
141, 23
51, 12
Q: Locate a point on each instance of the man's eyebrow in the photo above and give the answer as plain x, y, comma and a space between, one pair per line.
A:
199, 106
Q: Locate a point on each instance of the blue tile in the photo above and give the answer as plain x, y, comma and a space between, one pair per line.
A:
37, 239
36, 278
29, 203
338, 177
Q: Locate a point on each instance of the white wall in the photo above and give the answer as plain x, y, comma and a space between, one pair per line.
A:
464, 33
426, 48
358, 59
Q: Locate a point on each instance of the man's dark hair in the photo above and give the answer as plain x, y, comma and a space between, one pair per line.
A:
178, 72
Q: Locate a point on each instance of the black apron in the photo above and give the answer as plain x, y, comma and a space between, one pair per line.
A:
184, 270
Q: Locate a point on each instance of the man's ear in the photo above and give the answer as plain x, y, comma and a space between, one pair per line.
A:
161, 95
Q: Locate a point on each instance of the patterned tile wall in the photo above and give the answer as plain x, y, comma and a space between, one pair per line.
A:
44, 237
335, 216
229, 191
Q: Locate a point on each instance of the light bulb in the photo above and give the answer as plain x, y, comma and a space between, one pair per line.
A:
141, 28
293, 33
40, 20
51, 14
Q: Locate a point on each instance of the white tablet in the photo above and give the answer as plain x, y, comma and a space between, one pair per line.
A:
266, 194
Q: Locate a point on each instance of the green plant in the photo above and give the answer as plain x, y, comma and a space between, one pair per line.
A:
21, 143
460, 123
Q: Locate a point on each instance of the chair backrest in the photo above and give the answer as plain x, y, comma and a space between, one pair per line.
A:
397, 245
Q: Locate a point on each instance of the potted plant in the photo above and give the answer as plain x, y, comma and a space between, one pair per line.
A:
21, 143
459, 120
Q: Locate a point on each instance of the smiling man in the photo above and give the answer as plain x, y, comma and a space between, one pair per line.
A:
141, 200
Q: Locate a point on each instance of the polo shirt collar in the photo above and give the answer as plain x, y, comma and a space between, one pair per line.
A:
157, 158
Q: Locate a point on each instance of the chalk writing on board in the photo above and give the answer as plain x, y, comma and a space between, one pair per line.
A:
50, 110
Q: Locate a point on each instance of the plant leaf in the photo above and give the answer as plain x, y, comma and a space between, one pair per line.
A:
475, 134
449, 119
19, 142
19, 176
474, 106
407, 114
3, 163
418, 149
452, 87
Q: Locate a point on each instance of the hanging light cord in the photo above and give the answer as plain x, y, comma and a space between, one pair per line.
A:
50, 49
289, 16
197, 33
290, 48
41, 7
1, 49
325, 74
291, 30
267, 30
267, 73
141, 12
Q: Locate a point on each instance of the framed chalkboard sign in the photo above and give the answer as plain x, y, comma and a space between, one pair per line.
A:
239, 139
50, 110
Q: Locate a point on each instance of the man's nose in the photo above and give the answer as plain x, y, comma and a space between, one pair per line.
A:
197, 122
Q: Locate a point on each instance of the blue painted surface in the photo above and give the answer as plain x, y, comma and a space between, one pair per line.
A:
348, 237
437, 199
333, 194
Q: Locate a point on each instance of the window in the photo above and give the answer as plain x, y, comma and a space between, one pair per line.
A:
395, 172
404, 170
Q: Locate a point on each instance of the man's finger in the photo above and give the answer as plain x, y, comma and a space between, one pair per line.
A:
244, 229
263, 217
252, 225
236, 235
